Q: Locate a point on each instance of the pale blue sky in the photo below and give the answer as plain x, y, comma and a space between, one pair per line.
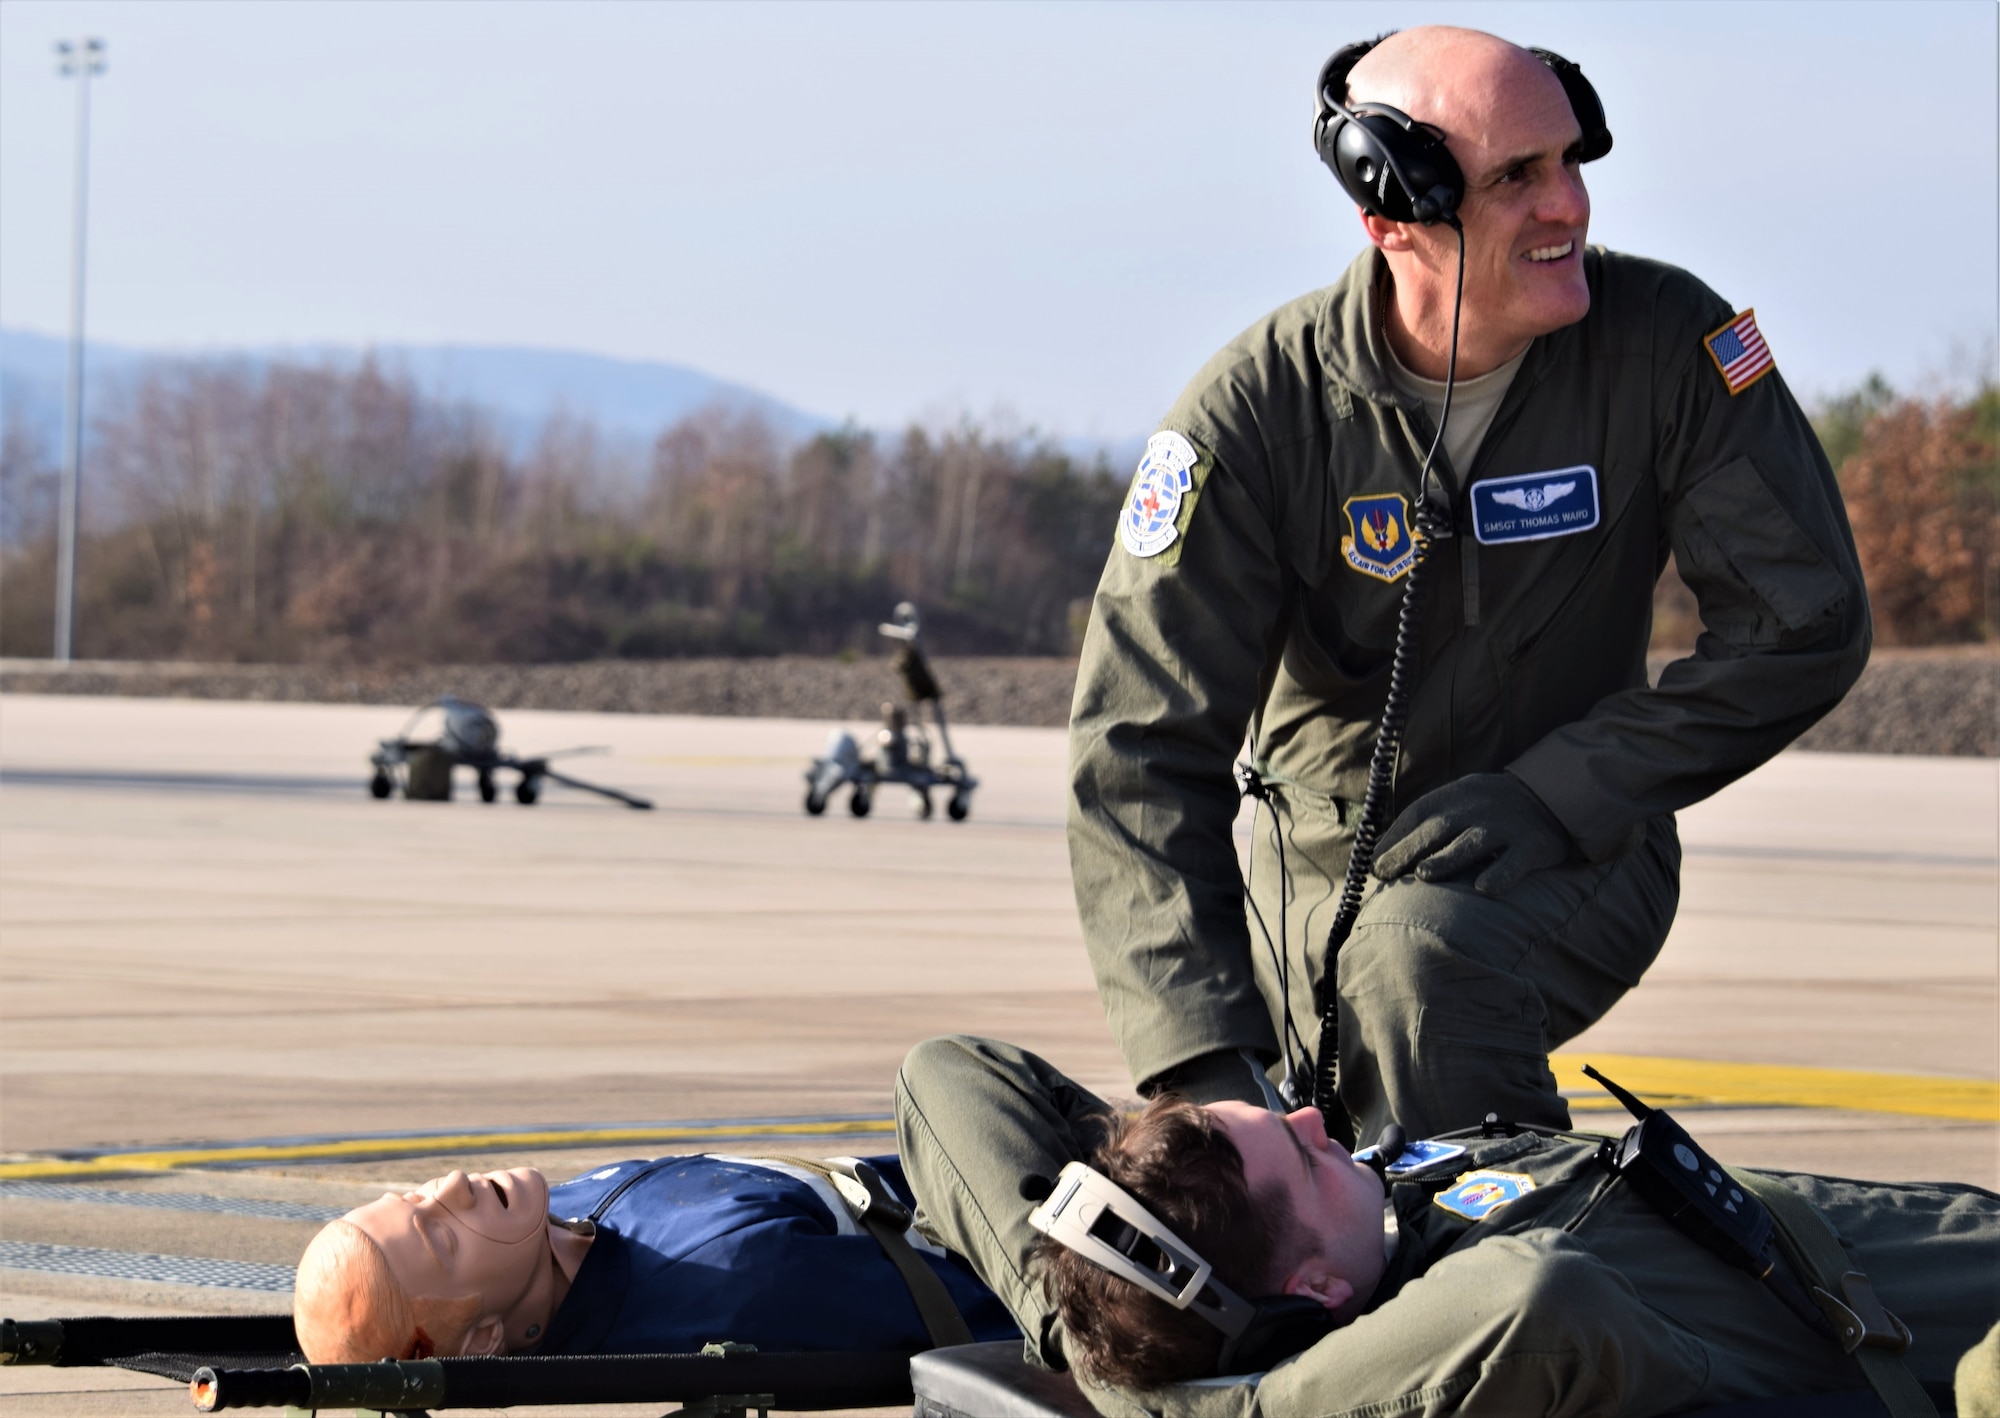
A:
1054, 212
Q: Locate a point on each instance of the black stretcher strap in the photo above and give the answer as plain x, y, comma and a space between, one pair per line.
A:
182, 1368
795, 1381
103, 1339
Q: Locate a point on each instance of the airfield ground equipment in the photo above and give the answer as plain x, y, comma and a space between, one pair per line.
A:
469, 737
903, 752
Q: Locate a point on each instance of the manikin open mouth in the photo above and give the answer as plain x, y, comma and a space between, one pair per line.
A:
1551, 253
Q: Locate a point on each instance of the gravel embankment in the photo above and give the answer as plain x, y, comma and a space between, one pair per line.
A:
1908, 701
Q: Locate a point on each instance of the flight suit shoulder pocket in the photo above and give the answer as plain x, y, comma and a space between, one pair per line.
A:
1760, 579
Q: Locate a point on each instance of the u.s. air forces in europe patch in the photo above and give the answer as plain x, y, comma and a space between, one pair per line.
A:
1164, 483
1477, 1193
1378, 541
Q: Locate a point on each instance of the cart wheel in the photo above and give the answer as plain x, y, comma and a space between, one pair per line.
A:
920, 804
380, 787
815, 804
860, 802
526, 791
487, 790
959, 807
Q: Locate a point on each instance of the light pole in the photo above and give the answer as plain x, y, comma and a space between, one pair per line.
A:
81, 60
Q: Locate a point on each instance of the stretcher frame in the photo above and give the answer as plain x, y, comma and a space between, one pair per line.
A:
253, 1361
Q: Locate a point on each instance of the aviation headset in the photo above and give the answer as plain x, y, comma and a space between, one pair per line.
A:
1398, 168
1088, 1213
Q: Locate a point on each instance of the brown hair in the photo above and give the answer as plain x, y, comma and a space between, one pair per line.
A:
1184, 1169
349, 1308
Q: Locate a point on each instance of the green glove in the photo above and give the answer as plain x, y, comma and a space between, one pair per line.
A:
1491, 823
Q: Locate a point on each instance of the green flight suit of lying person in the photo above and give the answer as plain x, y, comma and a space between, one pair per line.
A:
1555, 1291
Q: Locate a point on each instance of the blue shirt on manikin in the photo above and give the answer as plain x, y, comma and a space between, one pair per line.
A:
697, 1250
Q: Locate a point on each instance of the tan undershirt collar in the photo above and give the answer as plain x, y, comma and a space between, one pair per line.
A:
1474, 402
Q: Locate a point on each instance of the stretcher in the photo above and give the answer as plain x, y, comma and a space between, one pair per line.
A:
234, 1362
252, 1361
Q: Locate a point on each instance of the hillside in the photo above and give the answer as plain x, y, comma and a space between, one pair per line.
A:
518, 388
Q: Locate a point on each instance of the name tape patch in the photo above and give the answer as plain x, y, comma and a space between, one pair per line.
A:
1534, 506
1148, 524
1422, 1154
1477, 1194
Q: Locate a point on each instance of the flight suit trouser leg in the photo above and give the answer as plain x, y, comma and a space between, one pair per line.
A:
974, 1119
1450, 1001
1932, 1251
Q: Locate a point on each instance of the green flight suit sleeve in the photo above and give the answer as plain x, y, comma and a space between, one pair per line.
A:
1173, 665
1525, 1324
1756, 524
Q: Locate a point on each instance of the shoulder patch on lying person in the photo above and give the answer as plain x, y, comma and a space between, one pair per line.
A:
1477, 1193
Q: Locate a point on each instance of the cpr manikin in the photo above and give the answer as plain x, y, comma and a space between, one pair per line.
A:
466, 1264
657, 1255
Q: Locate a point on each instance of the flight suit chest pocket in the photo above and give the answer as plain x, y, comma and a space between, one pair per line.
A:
1760, 579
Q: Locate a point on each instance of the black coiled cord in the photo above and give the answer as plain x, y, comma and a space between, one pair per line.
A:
1426, 525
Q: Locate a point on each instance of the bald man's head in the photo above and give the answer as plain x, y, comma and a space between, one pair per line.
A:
1507, 122
1459, 80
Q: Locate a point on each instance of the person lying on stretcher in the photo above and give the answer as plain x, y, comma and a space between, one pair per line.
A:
1503, 1274
658, 1257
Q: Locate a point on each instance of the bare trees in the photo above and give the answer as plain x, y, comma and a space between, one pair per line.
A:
1923, 493
291, 513
280, 512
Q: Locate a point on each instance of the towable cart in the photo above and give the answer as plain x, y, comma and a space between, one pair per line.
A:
903, 752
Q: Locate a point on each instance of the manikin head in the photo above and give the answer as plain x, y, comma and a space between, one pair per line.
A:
460, 1266
1509, 124
1268, 1200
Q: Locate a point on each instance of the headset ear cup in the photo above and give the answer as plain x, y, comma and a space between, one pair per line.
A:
1583, 102
1392, 166
1363, 168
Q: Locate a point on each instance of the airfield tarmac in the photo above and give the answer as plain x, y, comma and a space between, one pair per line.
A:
222, 965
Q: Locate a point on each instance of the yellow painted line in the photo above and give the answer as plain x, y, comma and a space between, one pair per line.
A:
1714, 1084
1673, 1082
337, 1149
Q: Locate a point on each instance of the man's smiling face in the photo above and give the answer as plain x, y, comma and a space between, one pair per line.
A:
1526, 213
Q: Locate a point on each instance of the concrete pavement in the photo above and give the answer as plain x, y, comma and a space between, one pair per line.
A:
208, 933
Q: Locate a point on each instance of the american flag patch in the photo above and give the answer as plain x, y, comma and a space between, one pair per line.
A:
1739, 352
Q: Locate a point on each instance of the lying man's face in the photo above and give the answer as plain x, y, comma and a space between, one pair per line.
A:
1336, 1202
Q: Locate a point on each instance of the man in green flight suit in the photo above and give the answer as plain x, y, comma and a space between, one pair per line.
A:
1608, 410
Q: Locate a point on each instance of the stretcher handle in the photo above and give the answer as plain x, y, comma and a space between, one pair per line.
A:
215, 1390
93, 1339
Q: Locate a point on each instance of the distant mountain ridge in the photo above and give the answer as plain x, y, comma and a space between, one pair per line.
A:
520, 388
